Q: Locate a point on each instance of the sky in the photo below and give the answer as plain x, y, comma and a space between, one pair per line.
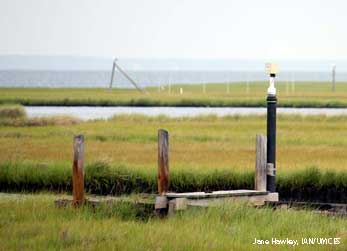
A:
198, 29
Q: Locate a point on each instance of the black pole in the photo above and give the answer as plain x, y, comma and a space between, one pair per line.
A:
271, 141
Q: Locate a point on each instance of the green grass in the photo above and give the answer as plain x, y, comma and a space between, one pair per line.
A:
306, 94
15, 115
196, 144
303, 185
31, 222
12, 112
206, 153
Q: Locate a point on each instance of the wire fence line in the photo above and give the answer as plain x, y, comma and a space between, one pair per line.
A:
159, 79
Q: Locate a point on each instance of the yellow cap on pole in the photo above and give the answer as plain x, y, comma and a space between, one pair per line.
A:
271, 68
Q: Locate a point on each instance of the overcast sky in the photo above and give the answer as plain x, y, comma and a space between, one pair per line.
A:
247, 29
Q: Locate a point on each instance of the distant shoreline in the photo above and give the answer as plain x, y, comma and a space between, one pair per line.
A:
302, 95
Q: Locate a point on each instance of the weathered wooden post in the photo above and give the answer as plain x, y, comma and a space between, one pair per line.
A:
112, 74
78, 170
333, 73
260, 164
161, 201
163, 162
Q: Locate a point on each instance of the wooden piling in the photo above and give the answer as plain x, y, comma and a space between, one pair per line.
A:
260, 164
163, 162
333, 78
78, 170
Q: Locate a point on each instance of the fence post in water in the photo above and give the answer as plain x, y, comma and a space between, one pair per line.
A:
78, 170
260, 164
163, 162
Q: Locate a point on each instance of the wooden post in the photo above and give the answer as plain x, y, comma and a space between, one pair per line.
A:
169, 80
128, 77
163, 162
333, 78
260, 164
293, 83
112, 74
78, 170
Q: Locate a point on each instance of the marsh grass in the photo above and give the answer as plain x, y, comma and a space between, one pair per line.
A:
15, 115
311, 184
31, 222
12, 112
206, 153
197, 144
307, 94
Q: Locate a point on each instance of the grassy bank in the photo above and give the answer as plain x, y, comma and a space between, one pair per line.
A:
309, 185
14, 115
196, 144
206, 153
305, 94
33, 223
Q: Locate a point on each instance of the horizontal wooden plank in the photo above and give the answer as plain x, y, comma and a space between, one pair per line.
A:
216, 194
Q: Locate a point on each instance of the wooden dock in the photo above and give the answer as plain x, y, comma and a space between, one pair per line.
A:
179, 201
169, 202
